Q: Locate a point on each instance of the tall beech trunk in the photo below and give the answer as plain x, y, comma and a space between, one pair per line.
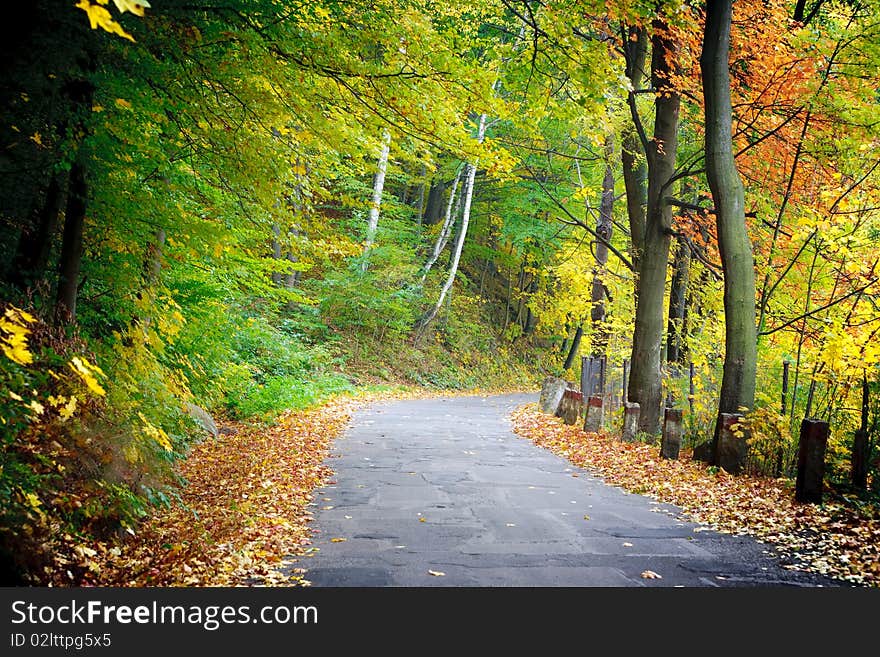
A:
632, 155
376, 202
604, 229
740, 339
645, 384
70, 260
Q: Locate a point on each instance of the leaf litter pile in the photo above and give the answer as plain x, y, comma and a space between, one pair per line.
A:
243, 511
834, 539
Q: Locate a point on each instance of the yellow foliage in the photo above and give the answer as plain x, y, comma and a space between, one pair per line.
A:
14, 339
86, 371
155, 433
100, 17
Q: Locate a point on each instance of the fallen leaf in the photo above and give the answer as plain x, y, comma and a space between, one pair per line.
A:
338, 540
627, 545
650, 574
436, 573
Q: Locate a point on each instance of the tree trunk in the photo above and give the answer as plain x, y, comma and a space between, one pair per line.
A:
72, 245
32, 254
449, 219
632, 155
276, 251
604, 229
740, 343
645, 384
378, 186
462, 234
675, 328
575, 347
434, 204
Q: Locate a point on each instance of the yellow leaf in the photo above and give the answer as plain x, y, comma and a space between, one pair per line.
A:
68, 409
338, 540
100, 17
136, 7
85, 370
124, 104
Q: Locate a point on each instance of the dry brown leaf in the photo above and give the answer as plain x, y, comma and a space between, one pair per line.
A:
650, 574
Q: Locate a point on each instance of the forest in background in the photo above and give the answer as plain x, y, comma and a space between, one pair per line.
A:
248, 206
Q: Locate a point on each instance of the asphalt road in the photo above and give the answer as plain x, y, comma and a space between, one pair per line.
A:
444, 486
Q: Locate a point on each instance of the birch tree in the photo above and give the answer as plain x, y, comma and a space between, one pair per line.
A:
470, 177
376, 202
452, 207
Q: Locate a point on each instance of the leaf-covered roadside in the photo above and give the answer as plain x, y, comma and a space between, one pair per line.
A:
836, 539
243, 509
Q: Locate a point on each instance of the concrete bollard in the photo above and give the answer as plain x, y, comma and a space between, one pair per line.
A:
811, 461
671, 443
551, 394
593, 422
570, 407
732, 448
631, 412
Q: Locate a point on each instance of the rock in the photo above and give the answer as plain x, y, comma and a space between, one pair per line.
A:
631, 411
202, 418
551, 394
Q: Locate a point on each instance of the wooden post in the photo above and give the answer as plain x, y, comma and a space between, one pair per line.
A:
593, 422
860, 448
732, 448
811, 461
779, 451
691, 391
671, 443
630, 421
585, 375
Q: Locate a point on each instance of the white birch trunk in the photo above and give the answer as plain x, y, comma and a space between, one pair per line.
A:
378, 186
442, 239
465, 220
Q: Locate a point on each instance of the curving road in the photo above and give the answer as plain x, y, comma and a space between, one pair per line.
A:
444, 486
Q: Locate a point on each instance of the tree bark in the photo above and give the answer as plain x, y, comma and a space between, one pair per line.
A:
740, 343
448, 220
604, 229
276, 251
645, 384
32, 254
675, 328
462, 234
632, 155
378, 186
575, 347
70, 260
